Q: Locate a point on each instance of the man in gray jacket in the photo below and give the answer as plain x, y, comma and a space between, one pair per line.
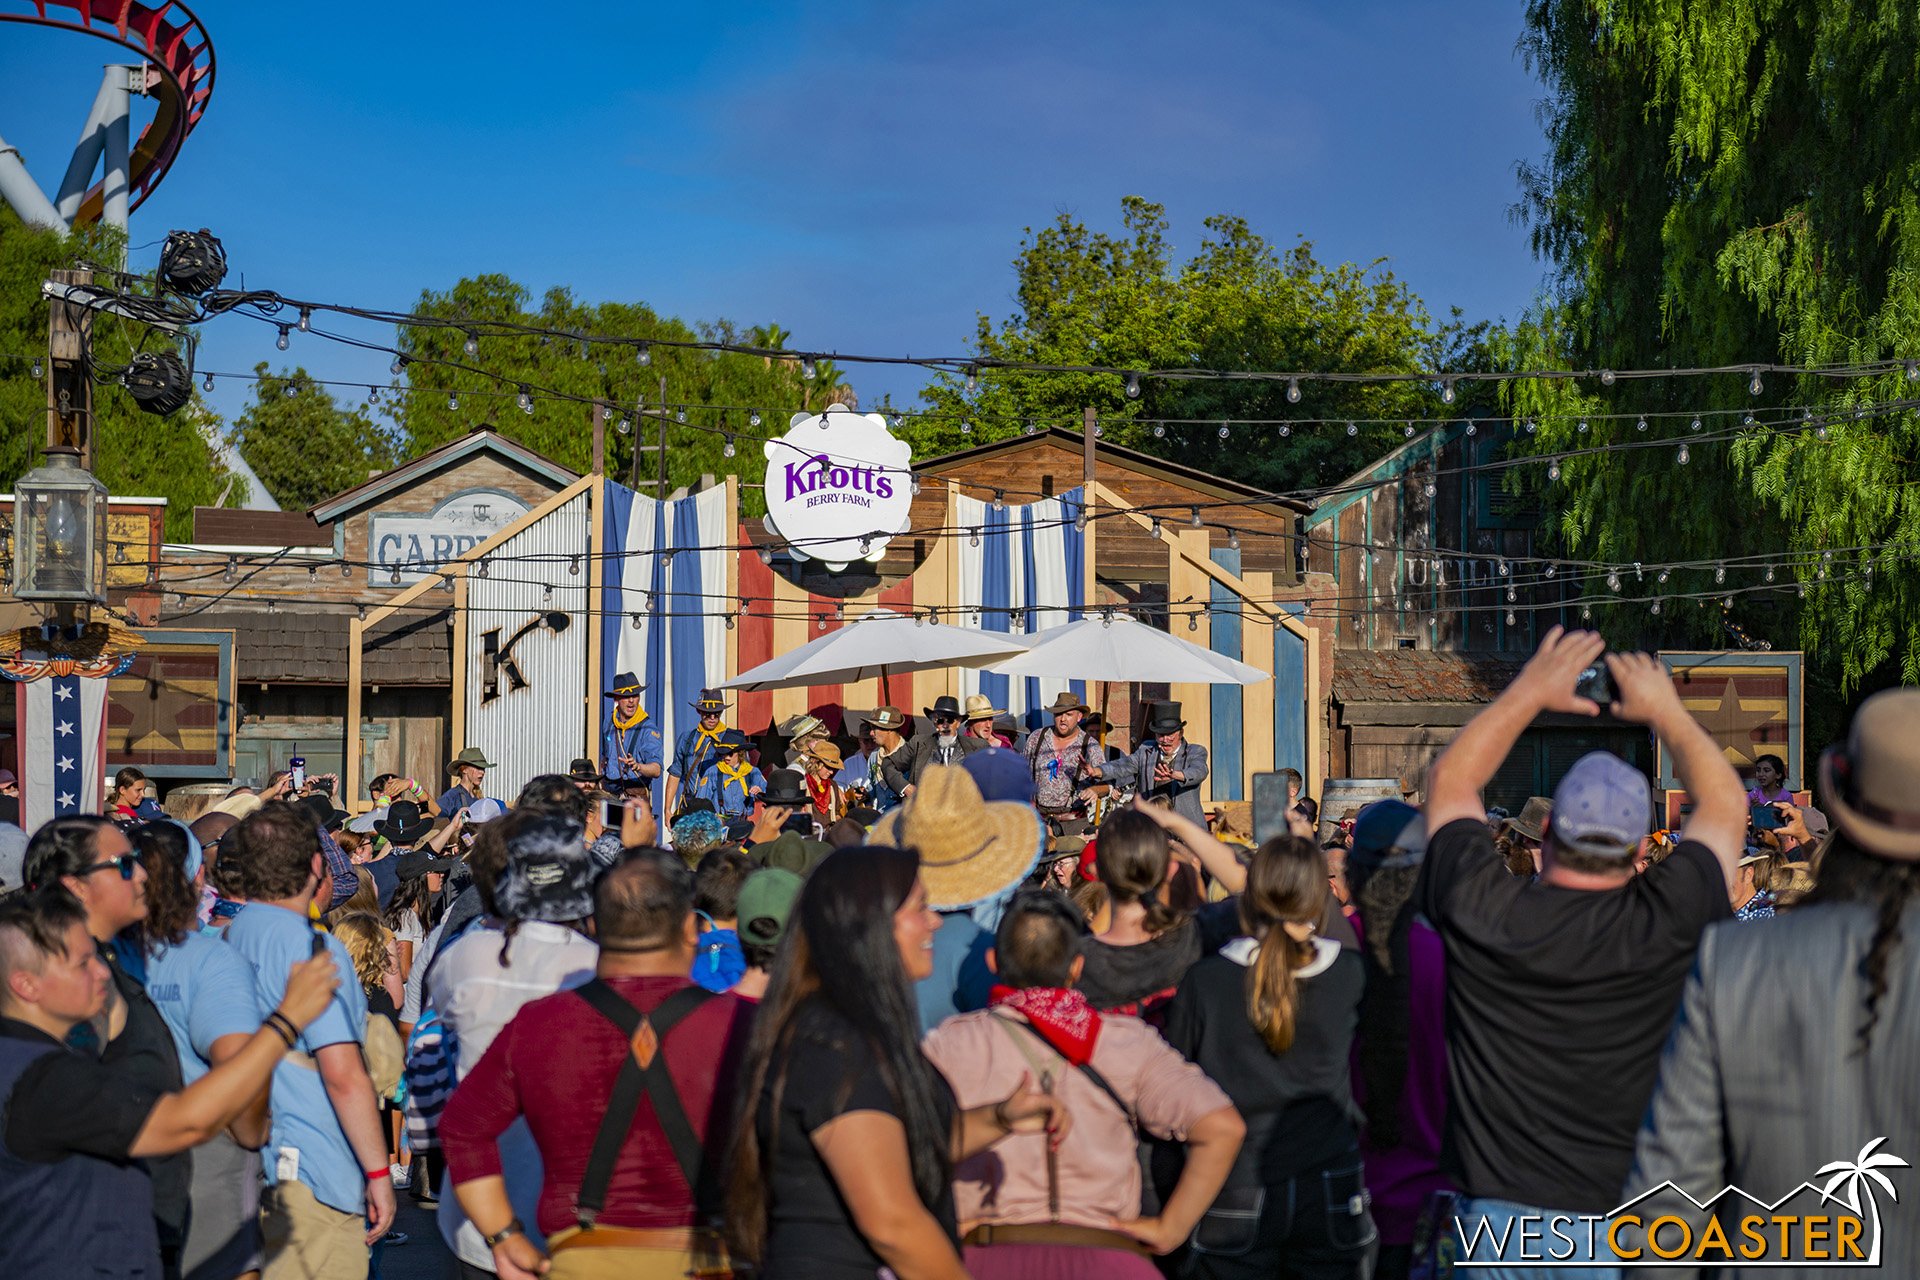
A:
1166, 766
1797, 1048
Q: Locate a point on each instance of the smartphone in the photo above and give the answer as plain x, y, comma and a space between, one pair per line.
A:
298, 767
1270, 804
1596, 684
1765, 817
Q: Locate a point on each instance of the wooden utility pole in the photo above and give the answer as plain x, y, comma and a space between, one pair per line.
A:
69, 388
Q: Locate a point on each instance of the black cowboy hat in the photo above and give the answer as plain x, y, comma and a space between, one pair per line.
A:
734, 740
1164, 717
710, 700
583, 770
944, 705
329, 818
626, 685
784, 788
404, 823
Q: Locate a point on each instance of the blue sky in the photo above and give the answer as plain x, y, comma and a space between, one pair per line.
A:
859, 173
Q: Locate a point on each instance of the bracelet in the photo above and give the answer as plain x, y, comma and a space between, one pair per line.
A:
513, 1228
374, 1175
282, 1026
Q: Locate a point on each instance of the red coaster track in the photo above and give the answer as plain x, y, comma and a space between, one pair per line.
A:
179, 59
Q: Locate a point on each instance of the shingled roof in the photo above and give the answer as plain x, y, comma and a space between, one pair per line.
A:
1421, 675
311, 648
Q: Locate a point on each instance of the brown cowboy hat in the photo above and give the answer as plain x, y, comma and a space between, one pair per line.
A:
887, 718
826, 753
970, 850
1868, 780
1064, 703
1531, 821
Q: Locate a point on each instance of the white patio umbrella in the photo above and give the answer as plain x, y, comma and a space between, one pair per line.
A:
877, 645
1121, 649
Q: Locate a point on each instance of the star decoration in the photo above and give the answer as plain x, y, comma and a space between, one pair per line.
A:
66, 800
1732, 722
157, 710
64, 728
66, 762
63, 692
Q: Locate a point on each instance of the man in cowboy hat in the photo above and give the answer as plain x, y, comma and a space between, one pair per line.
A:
945, 745
887, 782
468, 771
1815, 1007
801, 732
1063, 758
974, 853
980, 717
1166, 767
698, 748
630, 744
731, 784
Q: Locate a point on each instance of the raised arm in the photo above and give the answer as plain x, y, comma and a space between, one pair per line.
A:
1219, 859
1719, 816
1546, 684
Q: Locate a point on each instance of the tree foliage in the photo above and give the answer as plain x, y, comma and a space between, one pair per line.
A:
304, 446
1085, 297
1734, 181
135, 454
717, 392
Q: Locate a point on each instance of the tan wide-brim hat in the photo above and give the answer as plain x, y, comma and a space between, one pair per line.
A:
980, 707
1064, 703
1868, 783
236, 806
970, 851
826, 753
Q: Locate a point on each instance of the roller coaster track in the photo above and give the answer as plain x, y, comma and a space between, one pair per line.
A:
179, 59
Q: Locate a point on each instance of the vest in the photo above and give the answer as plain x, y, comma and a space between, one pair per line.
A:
77, 1216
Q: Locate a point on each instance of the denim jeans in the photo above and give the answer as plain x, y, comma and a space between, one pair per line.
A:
1523, 1234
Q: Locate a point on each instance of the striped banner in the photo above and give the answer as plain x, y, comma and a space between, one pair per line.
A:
1019, 569
63, 746
674, 650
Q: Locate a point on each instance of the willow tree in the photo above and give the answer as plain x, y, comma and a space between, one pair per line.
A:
1733, 182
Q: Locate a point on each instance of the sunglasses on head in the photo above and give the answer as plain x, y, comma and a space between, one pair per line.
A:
126, 862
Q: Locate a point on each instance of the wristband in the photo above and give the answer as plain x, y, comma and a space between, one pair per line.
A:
282, 1026
374, 1175
513, 1228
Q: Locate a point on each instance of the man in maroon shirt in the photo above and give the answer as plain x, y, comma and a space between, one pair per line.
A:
639, 1063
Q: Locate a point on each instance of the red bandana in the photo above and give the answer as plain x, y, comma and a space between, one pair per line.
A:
1062, 1017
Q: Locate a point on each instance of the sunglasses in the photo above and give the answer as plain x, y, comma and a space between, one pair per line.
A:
126, 862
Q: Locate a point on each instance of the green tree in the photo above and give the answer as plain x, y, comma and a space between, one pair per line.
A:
1731, 182
304, 446
1084, 297
447, 393
135, 454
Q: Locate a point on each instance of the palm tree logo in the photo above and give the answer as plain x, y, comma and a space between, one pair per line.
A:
1860, 1175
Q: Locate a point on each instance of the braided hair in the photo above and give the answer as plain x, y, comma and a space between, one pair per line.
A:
1849, 873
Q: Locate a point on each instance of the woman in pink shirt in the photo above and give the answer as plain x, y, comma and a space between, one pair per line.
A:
1026, 1212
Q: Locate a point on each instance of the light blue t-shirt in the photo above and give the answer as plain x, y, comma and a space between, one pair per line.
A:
307, 1139
204, 989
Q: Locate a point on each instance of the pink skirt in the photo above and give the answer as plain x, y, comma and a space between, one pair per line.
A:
1055, 1262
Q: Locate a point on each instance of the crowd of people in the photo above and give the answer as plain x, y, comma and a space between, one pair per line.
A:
960, 1002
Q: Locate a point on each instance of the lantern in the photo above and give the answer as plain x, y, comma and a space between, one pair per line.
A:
60, 533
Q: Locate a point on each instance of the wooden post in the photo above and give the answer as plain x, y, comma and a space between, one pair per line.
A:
350, 782
1089, 423
462, 632
69, 389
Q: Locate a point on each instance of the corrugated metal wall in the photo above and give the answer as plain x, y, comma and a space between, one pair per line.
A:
542, 727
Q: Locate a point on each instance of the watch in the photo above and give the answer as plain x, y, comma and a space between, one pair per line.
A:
513, 1228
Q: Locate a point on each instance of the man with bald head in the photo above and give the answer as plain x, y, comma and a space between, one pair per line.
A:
556, 1065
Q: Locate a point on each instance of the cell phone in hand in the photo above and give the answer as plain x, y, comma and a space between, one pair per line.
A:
613, 813
1270, 804
1596, 683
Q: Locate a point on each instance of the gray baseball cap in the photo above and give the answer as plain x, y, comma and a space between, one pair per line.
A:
1602, 807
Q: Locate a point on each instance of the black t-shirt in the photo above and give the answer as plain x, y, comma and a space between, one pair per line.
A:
831, 1069
67, 1103
1298, 1105
144, 1054
1558, 1004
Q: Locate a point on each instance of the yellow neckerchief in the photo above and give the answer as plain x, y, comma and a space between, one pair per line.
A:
704, 738
745, 771
639, 714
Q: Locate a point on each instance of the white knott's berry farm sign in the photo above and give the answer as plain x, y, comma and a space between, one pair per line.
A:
838, 486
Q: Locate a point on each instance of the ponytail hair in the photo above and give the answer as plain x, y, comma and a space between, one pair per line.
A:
1132, 862
1286, 884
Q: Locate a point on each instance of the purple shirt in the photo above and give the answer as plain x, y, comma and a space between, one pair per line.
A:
1401, 1178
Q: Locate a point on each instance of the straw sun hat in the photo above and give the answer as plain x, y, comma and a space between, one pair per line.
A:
970, 851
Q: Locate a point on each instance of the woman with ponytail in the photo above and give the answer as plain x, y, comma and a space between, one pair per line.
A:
1271, 1020
1133, 966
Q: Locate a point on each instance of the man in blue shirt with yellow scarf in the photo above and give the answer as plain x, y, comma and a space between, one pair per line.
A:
630, 747
698, 747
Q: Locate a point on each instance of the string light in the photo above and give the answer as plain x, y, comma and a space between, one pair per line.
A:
1606, 377
624, 426
1223, 431
206, 383
1446, 391
680, 414
973, 536
1754, 385
1352, 430
283, 341
1133, 386
635, 618
472, 345
1293, 390
1195, 519
807, 371
306, 319
1233, 539
525, 398
753, 418
39, 369
394, 578
482, 571
1642, 424
453, 400
1286, 429
1682, 456
643, 354
573, 565
727, 450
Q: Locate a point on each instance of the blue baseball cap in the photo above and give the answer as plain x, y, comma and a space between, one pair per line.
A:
1000, 774
1602, 807
1391, 833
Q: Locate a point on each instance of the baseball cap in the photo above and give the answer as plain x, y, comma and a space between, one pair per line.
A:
1602, 807
766, 901
1000, 774
1391, 832
485, 809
